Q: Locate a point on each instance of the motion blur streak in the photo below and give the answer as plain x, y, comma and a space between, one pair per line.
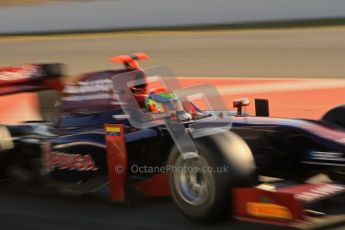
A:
314, 52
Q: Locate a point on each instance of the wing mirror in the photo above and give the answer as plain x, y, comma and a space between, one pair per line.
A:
262, 108
239, 103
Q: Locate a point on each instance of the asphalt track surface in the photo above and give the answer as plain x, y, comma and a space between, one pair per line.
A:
34, 211
263, 53
305, 52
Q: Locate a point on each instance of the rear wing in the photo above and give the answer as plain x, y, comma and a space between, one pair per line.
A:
33, 77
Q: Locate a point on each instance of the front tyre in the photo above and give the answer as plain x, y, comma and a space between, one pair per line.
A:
201, 186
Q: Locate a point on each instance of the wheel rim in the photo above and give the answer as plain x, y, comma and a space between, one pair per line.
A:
192, 181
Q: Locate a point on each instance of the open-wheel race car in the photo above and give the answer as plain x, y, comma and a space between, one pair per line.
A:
116, 131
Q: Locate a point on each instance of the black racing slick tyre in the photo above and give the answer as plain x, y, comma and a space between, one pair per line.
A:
336, 116
201, 186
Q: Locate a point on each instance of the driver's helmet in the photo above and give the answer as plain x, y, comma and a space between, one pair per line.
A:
161, 100
165, 100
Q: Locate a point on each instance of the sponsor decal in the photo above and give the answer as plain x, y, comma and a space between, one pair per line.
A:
64, 161
113, 131
267, 210
160, 115
89, 90
328, 156
104, 85
341, 140
88, 97
19, 73
320, 192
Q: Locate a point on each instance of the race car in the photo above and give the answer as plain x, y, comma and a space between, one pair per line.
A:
118, 132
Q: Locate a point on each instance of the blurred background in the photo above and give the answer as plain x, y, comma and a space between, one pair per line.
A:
289, 51
230, 38
195, 38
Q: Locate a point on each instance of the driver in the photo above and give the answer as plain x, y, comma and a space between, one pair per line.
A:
165, 100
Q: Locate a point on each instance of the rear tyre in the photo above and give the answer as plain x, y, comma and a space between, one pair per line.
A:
201, 186
336, 116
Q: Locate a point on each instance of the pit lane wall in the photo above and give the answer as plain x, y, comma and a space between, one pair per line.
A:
127, 14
